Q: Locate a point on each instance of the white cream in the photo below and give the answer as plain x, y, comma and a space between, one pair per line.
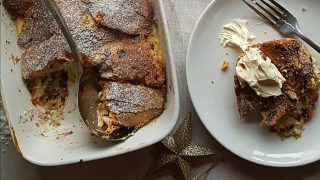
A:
253, 68
236, 34
259, 73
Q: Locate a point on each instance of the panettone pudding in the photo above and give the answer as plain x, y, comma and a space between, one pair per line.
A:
118, 38
286, 111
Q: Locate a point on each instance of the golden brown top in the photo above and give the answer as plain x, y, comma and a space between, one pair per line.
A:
131, 61
17, 7
128, 16
125, 97
117, 36
39, 28
129, 105
49, 55
295, 64
39, 25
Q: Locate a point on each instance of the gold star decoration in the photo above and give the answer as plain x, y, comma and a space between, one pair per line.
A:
180, 149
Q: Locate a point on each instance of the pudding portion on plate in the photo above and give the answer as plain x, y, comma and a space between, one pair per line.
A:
277, 80
214, 97
286, 113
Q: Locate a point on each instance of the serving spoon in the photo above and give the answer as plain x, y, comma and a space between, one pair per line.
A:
87, 85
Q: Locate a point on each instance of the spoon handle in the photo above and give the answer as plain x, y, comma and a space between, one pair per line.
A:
53, 8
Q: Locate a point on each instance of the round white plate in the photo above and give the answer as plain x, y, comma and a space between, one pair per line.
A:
212, 90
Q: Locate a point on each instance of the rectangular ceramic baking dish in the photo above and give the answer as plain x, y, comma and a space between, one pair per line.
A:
72, 141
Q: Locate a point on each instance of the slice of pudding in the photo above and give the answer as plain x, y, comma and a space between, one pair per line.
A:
138, 61
127, 105
283, 113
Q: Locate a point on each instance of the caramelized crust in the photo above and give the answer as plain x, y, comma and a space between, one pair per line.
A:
39, 25
132, 61
50, 55
43, 40
17, 7
128, 105
117, 36
87, 34
128, 16
295, 64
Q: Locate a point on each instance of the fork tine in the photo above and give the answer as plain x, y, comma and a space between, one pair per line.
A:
265, 10
272, 8
279, 6
259, 13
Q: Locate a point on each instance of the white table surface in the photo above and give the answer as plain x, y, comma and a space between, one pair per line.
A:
181, 14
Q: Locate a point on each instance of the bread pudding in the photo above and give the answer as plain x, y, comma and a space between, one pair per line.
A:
284, 114
136, 61
128, 105
117, 38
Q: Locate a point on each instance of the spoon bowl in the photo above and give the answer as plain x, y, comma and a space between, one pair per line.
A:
87, 103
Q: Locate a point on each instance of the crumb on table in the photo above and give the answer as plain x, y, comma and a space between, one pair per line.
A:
304, 9
225, 65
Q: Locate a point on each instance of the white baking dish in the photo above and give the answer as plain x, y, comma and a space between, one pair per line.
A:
52, 147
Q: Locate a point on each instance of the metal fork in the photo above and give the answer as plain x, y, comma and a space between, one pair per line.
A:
280, 19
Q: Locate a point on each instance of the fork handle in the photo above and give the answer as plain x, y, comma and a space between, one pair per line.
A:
308, 41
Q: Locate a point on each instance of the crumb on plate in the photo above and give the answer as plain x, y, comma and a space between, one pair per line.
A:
225, 65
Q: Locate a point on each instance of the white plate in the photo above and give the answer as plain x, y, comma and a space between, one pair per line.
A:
216, 102
81, 145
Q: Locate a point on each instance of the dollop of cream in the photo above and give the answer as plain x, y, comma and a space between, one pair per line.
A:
256, 70
253, 68
236, 33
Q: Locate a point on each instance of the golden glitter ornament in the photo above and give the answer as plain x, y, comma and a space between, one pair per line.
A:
180, 148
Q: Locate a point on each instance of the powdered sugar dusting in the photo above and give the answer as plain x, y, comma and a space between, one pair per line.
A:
88, 36
124, 61
129, 16
39, 25
124, 97
40, 56
51, 46
46, 47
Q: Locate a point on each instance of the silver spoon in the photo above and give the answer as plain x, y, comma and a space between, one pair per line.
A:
87, 88
88, 101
